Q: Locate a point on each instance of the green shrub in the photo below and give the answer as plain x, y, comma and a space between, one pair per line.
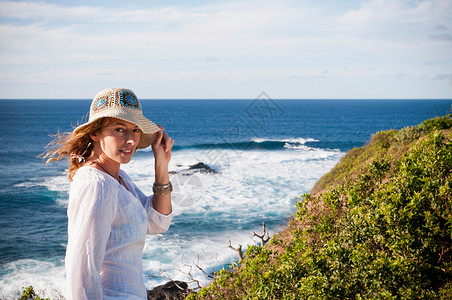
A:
436, 123
29, 293
387, 234
408, 134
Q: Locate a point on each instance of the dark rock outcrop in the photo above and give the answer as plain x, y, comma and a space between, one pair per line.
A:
196, 168
172, 290
203, 168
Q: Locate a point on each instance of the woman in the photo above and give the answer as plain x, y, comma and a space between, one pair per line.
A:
108, 216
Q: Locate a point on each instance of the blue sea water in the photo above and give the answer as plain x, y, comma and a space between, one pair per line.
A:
267, 153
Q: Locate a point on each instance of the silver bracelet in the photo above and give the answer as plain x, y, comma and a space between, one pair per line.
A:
162, 189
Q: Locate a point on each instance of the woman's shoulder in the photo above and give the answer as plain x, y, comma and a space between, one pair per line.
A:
92, 190
88, 182
92, 175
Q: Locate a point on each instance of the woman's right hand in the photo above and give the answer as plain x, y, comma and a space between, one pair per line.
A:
162, 147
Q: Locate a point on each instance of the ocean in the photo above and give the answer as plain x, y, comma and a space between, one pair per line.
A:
265, 153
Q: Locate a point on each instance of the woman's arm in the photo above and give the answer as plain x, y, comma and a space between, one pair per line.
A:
162, 154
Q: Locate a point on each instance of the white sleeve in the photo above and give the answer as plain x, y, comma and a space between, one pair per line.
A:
157, 222
91, 210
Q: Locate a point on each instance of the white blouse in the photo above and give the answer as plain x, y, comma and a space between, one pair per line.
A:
107, 225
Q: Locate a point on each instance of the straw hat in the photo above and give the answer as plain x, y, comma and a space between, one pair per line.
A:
124, 105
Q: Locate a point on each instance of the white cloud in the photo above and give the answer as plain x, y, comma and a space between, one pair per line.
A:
42, 10
399, 11
165, 32
442, 37
247, 40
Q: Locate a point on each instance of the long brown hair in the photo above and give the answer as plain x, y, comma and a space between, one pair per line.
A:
76, 147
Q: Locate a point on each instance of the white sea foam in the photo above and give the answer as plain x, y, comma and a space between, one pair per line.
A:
250, 187
46, 276
298, 140
26, 184
176, 256
57, 183
297, 147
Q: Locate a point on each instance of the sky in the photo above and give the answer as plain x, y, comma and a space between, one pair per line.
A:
289, 49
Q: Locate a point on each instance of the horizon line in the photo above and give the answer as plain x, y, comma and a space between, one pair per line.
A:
233, 99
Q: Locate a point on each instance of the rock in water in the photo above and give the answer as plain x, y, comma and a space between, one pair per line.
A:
202, 167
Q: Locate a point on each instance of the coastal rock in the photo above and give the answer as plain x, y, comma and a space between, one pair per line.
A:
172, 290
196, 168
203, 168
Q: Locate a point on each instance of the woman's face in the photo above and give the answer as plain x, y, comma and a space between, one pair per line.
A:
117, 140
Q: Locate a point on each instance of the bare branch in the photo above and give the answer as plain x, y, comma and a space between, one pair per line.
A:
202, 270
198, 283
238, 250
262, 237
212, 257
175, 283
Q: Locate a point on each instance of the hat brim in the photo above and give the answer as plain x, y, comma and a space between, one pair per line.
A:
148, 128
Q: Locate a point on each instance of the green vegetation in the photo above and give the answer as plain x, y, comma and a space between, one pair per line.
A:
393, 143
378, 226
29, 293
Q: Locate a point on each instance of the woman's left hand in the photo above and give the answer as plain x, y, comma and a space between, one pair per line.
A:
162, 147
